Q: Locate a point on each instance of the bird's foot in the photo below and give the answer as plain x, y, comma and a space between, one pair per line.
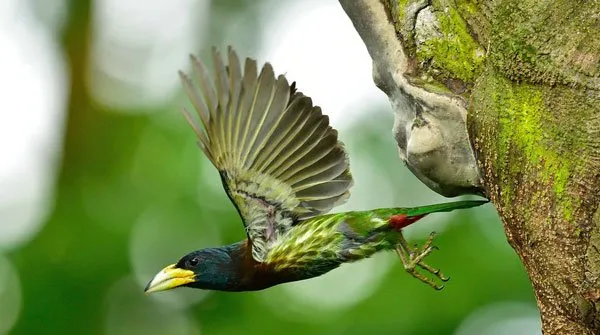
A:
413, 257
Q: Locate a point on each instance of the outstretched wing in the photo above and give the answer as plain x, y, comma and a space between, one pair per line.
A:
279, 160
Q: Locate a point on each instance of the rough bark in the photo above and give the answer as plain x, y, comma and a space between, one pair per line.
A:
430, 125
528, 75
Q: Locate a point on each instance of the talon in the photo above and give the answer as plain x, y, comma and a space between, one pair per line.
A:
413, 257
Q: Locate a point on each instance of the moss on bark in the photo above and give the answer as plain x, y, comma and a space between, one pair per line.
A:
454, 54
451, 57
538, 149
535, 133
550, 42
534, 122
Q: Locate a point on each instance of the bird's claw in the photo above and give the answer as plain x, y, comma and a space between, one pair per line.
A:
413, 257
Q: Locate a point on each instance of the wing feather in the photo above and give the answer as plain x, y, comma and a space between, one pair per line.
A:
279, 159
235, 83
278, 149
311, 178
306, 149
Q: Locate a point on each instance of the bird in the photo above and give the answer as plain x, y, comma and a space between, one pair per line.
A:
284, 169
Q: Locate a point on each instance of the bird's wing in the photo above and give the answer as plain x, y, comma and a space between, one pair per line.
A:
279, 160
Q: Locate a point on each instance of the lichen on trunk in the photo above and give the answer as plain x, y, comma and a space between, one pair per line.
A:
538, 152
529, 73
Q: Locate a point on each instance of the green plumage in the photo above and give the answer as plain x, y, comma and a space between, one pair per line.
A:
334, 239
283, 168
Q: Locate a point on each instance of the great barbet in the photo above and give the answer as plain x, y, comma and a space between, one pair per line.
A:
284, 169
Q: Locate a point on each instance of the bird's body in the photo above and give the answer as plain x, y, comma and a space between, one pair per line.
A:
317, 246
283, 168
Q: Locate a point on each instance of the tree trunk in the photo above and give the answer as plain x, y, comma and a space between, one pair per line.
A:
527, 73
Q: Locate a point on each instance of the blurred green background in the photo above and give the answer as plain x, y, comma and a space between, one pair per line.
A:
101, 183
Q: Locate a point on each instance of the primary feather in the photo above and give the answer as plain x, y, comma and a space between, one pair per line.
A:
279, 160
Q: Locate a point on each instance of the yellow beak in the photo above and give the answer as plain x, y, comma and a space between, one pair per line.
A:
169, 278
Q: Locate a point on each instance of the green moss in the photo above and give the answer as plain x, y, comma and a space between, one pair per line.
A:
430, 85
401, 9
524, 131
455, 53
535, 41
522, 121
403, 24
466, 6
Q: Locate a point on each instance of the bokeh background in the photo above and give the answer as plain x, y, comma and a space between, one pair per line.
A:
101, 183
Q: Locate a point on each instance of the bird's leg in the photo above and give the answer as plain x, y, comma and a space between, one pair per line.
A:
413, 257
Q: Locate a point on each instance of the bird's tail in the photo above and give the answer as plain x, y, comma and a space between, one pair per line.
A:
444, 207
399, 218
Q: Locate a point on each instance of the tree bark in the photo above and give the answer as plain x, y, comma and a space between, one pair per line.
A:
527, 73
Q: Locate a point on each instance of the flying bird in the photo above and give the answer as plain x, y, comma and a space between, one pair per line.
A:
283, 168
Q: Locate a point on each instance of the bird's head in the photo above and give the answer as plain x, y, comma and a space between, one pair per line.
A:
205, 269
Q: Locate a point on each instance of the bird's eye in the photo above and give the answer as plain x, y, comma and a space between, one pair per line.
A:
194, 261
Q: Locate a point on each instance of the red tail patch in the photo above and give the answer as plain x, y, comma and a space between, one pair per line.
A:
400, 221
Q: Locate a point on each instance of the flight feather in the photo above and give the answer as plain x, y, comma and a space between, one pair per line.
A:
279, 160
